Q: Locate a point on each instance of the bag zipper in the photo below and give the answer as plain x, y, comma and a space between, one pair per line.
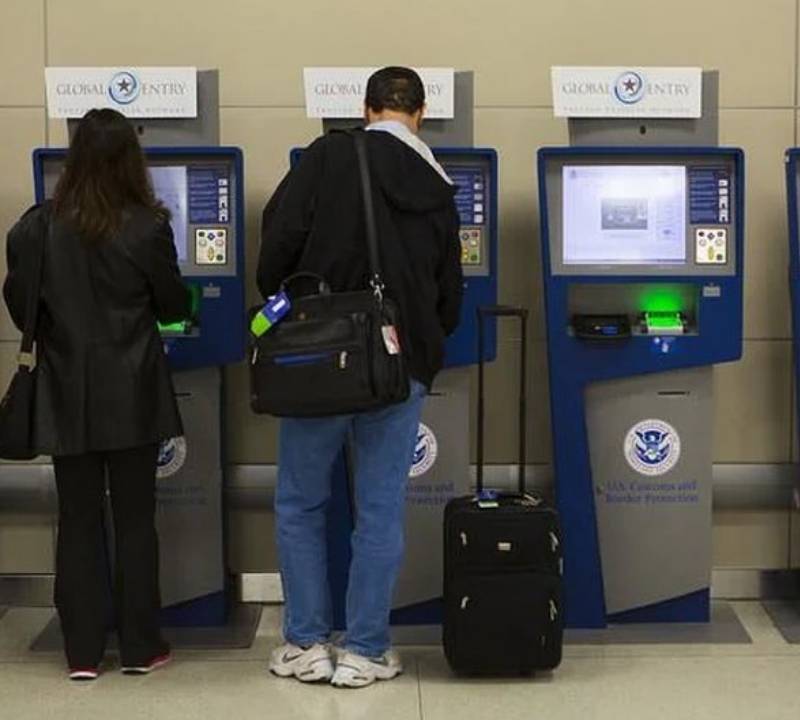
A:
341, 358
312, 358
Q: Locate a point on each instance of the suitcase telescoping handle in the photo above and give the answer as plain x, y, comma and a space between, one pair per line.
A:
498, 311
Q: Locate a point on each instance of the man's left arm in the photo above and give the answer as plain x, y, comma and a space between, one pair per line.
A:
286, 222
451, 276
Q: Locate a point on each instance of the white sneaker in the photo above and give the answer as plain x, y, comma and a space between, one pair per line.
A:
355, 671
310, 665
84, 673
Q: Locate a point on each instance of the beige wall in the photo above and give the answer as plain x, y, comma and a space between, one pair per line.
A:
261, 47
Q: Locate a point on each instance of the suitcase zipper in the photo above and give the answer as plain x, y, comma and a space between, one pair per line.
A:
464, 602
343, 360
463, 539
554, 542
553, 611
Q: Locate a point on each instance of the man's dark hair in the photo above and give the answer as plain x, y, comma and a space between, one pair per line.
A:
395, 88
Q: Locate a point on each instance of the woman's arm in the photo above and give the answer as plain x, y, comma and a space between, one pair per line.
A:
19, 261
172, 299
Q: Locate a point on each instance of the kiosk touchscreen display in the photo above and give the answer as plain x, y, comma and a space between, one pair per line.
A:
170, 185
624, 214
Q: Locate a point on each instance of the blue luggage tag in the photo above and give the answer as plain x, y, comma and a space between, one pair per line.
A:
488, 499
276, 308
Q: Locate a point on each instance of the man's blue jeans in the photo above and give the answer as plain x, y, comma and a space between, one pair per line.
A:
383, 445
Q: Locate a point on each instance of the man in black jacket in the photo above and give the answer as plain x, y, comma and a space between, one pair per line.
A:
314, 223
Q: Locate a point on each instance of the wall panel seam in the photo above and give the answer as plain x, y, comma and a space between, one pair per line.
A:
792, 377
796, 61
269, 106
45, 46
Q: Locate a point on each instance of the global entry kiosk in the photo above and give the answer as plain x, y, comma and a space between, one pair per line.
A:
642, 253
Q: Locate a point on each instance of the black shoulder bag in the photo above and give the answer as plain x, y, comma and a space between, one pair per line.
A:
17, 409
335, 353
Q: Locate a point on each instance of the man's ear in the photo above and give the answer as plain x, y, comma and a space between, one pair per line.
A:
419, 116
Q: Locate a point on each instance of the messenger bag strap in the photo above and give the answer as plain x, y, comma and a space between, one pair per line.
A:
375, 279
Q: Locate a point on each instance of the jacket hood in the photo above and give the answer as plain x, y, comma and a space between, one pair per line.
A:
407, 180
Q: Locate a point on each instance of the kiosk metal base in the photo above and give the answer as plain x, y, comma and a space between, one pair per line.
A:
724, 628
654, 530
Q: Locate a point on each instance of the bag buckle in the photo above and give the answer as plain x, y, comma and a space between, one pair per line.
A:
26, 359
377, 288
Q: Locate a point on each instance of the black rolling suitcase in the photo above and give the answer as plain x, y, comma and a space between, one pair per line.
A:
502, 564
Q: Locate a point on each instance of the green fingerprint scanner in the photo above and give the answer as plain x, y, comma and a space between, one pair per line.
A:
663, 323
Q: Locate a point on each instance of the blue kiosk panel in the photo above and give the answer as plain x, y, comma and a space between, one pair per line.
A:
474, 173
203, 188
642, 258
793, 206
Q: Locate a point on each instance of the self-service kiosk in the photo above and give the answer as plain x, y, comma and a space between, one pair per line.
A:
441, 462
203, 187
642, 258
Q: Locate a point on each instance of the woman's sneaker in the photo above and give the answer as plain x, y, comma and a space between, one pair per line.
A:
147, 668
355, 671
84, 673
312, 664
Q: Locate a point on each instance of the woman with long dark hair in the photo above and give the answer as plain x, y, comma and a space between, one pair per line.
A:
104, 395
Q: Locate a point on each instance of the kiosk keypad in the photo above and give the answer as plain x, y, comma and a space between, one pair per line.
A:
711, 246
472, 246
211, 246
473, 205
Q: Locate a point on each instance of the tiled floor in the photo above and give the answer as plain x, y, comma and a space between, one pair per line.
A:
758, 681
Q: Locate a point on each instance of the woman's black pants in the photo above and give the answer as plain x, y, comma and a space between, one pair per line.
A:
86, 598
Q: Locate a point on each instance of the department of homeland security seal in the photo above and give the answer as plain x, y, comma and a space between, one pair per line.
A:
425, 451
652, 447
171, 457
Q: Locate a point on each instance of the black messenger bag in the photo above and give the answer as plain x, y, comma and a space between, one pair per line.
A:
335, 353
18, 406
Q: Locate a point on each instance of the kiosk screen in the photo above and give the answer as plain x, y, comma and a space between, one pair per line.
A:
624, 214
170, 185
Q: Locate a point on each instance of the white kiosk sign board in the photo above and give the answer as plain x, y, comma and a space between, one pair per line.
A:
338, 92
136, 92
627, 92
